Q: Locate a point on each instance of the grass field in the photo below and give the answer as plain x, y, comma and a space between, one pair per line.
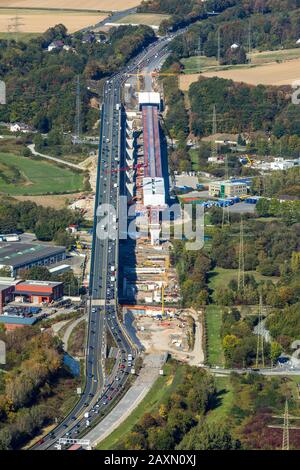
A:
195, 160
162, 388
220, 277
21, 176
37, 21
25, 37
213, 320
99, 5
273, 56
196, 64
225, 400
149, 19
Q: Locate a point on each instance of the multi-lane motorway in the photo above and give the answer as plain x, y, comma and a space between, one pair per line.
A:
100, 392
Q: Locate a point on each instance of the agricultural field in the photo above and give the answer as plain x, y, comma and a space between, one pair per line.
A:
267, 68
99, 5
277, 74
149, 19
25, 176
38, 21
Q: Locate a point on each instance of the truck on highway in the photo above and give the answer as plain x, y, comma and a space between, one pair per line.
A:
117, 106
86, 414
113, 268
129, 357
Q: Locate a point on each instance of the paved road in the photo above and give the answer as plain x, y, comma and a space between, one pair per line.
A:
103, 291
117, 15
57, 160
147, 377
275, 371
69, 330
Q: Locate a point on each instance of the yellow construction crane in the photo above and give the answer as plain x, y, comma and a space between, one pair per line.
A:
166, 281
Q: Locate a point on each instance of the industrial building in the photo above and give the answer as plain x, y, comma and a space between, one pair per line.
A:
7, 289
281, 164
38, 292
229, 188
24, 256
154, 191
14, 322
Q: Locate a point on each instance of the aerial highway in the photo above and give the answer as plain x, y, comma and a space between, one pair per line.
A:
100, 391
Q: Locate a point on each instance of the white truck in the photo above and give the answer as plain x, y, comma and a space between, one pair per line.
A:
113, 268
86, 414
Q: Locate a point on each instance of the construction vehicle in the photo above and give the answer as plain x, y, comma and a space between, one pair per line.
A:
246, 159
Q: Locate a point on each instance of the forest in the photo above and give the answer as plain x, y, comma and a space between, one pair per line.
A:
41, 86
272, 25
35, 389
47, 223
241, 108
272, 272
192, 414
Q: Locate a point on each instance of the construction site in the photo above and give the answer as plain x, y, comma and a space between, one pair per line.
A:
149, 290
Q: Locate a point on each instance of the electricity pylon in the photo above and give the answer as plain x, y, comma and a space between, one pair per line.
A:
241, 271
286, 427
225, 209
225, 215
214, 145
260, 355
219, 46
77, 115
15, 25
249, 42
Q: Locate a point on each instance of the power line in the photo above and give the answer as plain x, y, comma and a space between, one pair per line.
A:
225, 215
286, 427
260, 356
225, 209
15, 26
241, 270
249, 42
78, 110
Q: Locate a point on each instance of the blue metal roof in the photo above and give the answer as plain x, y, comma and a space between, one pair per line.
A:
14, 320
